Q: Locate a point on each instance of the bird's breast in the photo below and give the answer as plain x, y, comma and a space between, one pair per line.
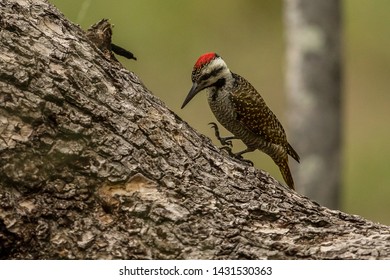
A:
222, 108
225, 112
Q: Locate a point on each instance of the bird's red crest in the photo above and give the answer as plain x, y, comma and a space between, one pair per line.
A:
205, 59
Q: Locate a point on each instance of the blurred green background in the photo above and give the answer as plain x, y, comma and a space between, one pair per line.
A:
168, 36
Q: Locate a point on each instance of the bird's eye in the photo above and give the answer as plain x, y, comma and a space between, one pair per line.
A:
213, 73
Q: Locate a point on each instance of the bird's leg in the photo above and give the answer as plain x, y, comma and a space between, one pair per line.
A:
247, 150
225, 141
239, 155
227, 145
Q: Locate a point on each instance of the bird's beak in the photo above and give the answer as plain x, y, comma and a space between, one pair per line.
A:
194, 90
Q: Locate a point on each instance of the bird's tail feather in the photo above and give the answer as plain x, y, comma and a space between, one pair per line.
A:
286, 173
292, 152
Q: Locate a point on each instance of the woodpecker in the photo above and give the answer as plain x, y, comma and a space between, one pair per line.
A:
238, 106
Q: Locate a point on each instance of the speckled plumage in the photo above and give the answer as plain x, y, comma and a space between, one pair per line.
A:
240, 109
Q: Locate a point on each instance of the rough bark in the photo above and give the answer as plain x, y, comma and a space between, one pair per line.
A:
93, 166
313, 31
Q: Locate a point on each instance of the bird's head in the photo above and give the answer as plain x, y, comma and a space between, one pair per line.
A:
209, 70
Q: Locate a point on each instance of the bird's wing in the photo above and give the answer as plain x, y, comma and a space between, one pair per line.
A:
254, 114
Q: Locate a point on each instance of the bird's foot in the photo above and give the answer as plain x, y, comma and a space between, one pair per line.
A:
240, 158
228, 150
227, 145
237, 156
225, 141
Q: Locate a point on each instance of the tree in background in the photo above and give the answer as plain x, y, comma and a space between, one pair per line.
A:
314, 79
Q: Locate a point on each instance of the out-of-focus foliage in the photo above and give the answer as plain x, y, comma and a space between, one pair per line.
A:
168, 36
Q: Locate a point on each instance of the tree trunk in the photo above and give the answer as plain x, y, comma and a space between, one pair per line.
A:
93, 166
313, 29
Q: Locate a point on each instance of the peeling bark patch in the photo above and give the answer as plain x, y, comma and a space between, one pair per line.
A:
138, 183
111, 194
27, 205
153, 202
86, 239
12, 131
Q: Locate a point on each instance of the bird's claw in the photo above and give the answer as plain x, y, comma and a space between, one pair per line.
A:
225, 141
245, 160
228, 149
227, 144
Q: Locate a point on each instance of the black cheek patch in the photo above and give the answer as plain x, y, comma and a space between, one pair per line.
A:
213, 73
